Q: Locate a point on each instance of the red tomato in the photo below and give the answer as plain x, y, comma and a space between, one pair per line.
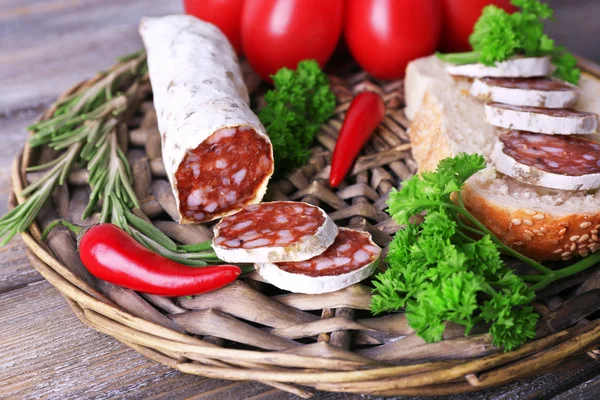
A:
384, 35
281, 33
460, 17
226, 14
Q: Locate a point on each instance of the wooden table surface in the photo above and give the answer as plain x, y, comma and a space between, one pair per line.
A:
45, 352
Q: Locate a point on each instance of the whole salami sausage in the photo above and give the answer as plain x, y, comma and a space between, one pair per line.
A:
216, 152
557, 162
350, 259
274, 232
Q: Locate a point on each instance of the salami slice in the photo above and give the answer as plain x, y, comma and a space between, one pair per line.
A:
515, 68
533, 92
557, 162
217, 155
350, 259
552, 121
274, 232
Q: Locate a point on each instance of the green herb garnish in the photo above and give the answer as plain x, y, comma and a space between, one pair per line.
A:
448, 268
300, 103
497, 36
85, 127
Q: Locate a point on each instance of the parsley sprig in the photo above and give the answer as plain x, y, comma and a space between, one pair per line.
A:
296, 108
497, 36
449, 268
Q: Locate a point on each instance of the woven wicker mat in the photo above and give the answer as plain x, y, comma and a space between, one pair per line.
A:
250, 330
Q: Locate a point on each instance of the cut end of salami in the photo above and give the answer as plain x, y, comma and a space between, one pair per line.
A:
216, 152
223, 174
557, 162
515, 68
532, 92
551, 121
352, 258
274, 232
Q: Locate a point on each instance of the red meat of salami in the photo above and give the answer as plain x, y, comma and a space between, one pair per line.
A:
351, 251
282, 230
351, 258
563, 162
221, 174
565, 155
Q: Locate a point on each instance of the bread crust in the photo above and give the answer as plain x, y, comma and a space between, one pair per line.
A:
538, 234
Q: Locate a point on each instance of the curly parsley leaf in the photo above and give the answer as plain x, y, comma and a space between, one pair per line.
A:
296, 108
494, 37
432, 190
439, 275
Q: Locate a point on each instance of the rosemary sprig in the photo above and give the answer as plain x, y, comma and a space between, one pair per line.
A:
20, 217
78, 124
85, 126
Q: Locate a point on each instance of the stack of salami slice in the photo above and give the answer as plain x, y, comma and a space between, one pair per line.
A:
543, 144
296, 246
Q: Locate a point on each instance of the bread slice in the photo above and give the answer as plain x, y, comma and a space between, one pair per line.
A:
545, 224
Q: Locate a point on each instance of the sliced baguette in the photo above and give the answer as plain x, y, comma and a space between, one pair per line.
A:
546, 224
515, 68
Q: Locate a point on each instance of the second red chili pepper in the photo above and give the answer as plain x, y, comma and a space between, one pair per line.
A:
366, 112
110, 254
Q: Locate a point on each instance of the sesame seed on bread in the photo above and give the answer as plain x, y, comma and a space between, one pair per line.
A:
545, 224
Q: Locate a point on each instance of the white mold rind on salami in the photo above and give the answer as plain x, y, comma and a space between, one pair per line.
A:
199, 96
541, 120
515, 68
277, 241
527, 93
361, 265
575, 170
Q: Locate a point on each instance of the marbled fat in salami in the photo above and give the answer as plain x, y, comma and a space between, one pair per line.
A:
350, 251
217, 154
273, 232
564, 155
222, 173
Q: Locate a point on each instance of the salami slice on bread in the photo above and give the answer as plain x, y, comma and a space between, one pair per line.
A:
543, 223
217, 154
531, 92
351, 258
556, 162
274, 232
514, 68
556, 121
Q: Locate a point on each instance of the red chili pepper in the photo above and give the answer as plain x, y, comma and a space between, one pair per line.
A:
110, 254
366, 112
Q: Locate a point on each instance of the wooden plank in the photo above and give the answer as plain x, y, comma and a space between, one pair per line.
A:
61, 42
48, 46
48, 352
